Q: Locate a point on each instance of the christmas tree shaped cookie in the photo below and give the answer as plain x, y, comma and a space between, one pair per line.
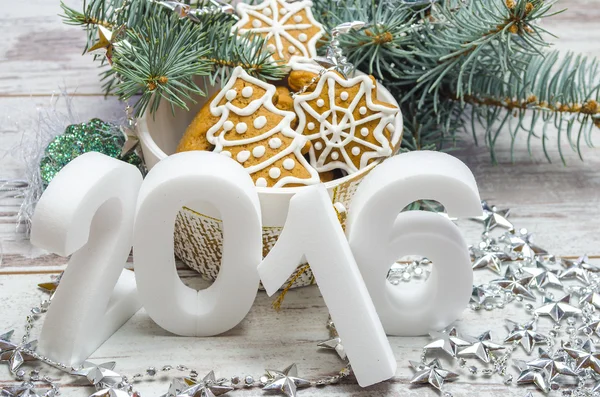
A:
289, 28
345, 123
242, 122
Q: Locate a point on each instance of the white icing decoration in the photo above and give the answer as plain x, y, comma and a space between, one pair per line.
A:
240, 128
344, 96
332, 137
289, 164
390, 127
280, 20
320, 102
228, 125
226, 153
243, 156
260, 122
310, 126
247, 92
274, 173
224, 143
259, 151
275, 143
291, 49
231, 94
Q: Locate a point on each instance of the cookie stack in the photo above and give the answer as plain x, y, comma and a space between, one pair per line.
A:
304, 129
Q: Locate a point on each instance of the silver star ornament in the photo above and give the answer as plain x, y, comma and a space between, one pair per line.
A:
15, 355
481, 347
525, 334
208, 387
335, 344
448, 342
99, 374
432, 374
557, 310
286, 381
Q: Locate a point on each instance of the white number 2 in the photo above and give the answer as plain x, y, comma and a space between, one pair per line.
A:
88, 211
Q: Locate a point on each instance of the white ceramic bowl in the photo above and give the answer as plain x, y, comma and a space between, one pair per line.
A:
198, 232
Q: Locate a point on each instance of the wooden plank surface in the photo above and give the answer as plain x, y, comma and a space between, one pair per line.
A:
39, 56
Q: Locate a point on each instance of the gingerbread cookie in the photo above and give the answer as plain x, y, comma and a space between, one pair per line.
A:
242, 122
346, 124
289, 28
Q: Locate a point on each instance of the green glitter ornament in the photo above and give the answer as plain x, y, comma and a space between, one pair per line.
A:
93, 136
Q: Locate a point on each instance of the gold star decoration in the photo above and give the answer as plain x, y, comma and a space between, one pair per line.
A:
106, 42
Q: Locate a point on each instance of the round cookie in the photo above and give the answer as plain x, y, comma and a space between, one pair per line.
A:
244, 124
347, 126
289, 28
195, 134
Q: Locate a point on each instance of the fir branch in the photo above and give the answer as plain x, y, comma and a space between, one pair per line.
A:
161, 60
562, 91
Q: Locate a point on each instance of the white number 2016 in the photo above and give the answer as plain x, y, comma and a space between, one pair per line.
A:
377, 237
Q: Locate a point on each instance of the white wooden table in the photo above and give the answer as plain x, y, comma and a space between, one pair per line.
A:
39, 55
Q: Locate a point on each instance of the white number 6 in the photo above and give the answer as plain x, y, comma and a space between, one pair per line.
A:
379, 235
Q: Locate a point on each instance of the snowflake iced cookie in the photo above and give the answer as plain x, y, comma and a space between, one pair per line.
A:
345, 122
289, 28
242, 122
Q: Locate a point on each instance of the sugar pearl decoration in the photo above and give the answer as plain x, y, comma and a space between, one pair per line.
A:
302, 37
335, 155
256, 23
320, 102
364, 131
274, 143
242, 127
228, 125
283, 11
247, 92
226, 153
230, 95
298, 18
261, 182
258, 151
291, 49
289, 164
274, 173
391, 128
356, 150
318, 145
260, 122
243, 156
310, 126
344, 96
267, 12
271, 47
362, 110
